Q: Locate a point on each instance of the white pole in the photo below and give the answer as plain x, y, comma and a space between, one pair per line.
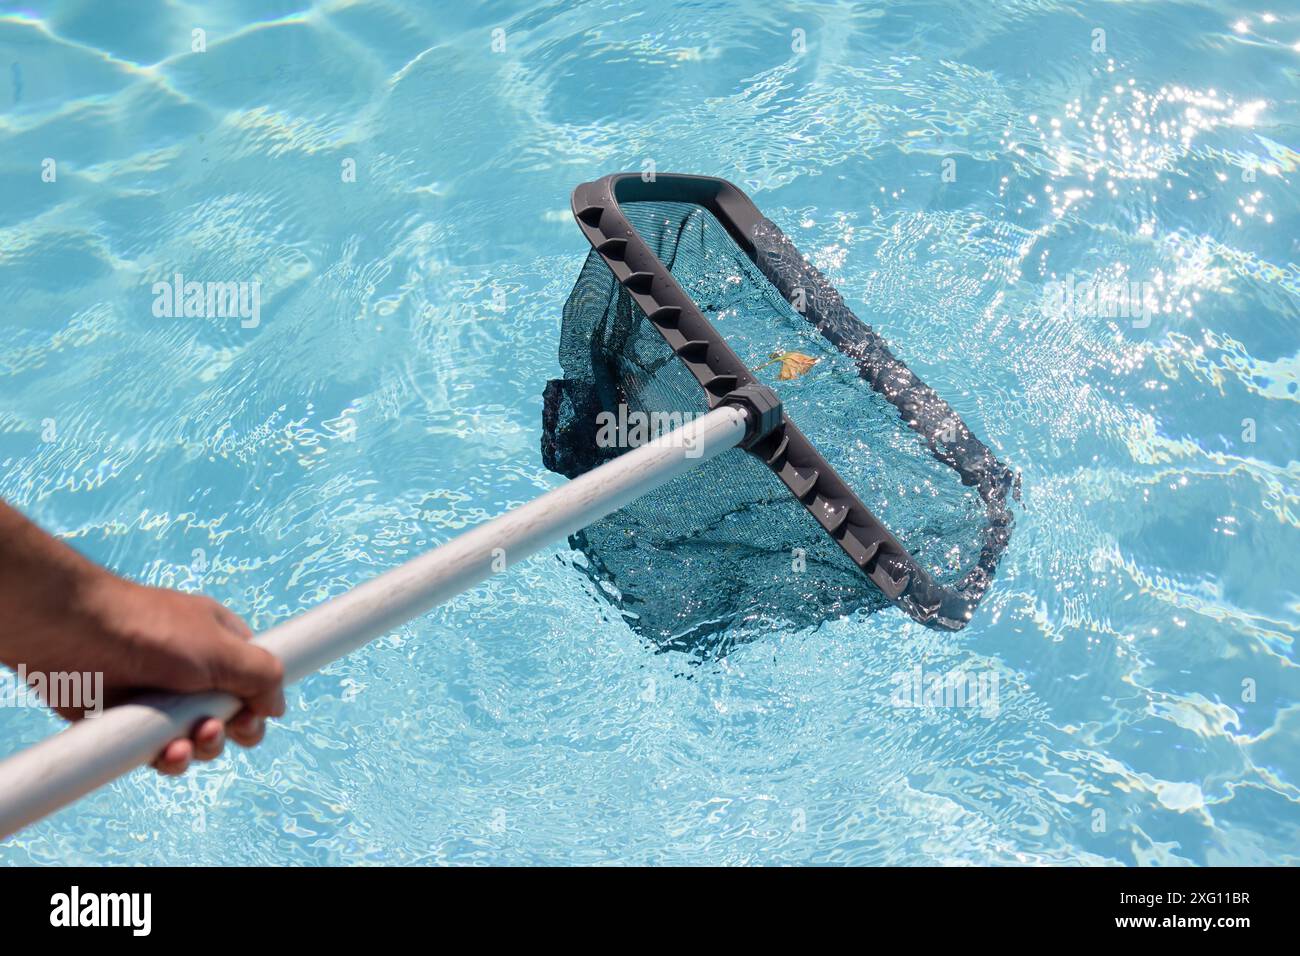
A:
89, 754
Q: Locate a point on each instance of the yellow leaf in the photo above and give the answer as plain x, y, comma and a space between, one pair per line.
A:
794, 364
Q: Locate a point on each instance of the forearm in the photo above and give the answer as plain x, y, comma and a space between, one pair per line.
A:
40, 576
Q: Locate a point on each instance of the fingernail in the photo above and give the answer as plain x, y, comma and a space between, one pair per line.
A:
249, 723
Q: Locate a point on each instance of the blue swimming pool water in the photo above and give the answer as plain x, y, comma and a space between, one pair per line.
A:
951, 165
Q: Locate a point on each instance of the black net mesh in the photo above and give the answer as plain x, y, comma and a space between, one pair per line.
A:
725, 550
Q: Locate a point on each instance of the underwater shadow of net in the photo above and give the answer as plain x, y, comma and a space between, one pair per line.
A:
725, 551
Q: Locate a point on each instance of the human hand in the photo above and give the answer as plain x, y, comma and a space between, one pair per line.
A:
144, 638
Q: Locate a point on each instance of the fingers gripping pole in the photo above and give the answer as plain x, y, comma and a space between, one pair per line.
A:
89, 754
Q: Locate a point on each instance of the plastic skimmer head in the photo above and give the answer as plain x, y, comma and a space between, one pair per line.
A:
870, 491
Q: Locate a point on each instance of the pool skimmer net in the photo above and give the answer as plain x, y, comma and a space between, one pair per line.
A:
690, 299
